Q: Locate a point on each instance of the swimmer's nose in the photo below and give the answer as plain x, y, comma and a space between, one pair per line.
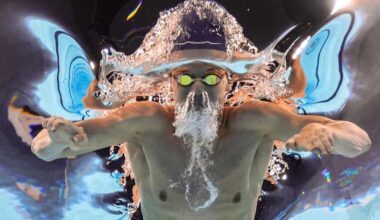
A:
198, 100
197, 86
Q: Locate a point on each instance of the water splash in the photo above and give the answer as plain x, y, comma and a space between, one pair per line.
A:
160, 42
197, 124
145, 72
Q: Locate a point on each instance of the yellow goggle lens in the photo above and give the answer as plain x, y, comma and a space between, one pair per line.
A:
211, 80
185, 80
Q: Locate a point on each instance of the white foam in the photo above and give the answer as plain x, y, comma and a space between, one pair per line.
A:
198, 128
144, 72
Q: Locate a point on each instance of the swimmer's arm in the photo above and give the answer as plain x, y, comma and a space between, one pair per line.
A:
96, 134
116, 128
347, 139
104, 132
336, 136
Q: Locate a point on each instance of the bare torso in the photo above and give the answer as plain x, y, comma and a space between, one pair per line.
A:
240, 160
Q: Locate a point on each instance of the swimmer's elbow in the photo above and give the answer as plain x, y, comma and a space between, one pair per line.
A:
349, 139
357, 150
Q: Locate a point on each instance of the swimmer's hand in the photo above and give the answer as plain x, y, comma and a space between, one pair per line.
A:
58, 135
62, 131
312, 137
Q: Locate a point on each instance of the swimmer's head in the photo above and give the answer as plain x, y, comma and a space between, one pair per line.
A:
199, 77
199, 90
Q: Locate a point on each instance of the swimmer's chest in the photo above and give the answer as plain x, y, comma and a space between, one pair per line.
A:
233, 153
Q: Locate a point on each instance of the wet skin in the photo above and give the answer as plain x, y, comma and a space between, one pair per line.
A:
241, 151
159, 159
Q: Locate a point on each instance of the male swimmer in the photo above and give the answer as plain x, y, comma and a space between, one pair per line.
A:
198, 150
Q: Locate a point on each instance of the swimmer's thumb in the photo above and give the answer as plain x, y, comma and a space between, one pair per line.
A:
291, 143
78, 141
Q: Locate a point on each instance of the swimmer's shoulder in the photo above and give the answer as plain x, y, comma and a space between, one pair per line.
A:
252, 115
251, 108
145, 116
257, 107
143, 109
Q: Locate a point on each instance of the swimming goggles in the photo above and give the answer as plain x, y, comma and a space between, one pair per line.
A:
210, 79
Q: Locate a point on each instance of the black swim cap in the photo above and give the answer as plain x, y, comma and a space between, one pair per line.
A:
200, 33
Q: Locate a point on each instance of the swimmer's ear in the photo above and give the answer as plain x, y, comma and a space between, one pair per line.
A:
91, 102
229, 86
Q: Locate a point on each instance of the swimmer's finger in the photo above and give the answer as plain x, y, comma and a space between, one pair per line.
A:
317, 151
61, 124
331, 140
73, 145
327, 145
79, 140
71, 127
301, 144
317, 146
291, 143
50, 122
47, 122
57, 123
44, 122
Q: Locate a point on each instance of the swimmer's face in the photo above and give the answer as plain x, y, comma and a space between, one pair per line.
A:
215, 85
